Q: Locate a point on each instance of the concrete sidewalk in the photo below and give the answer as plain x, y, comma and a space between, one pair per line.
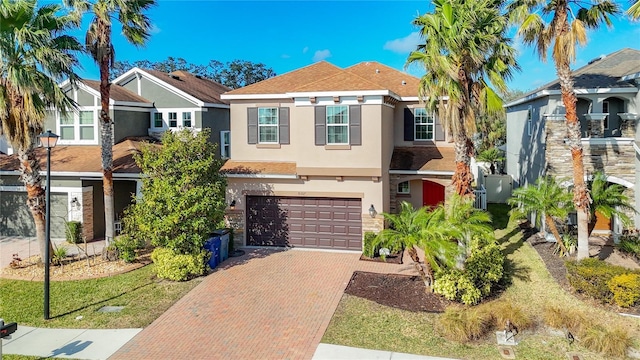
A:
338, 352
67, 343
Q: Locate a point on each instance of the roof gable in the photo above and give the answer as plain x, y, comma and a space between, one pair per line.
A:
117, 92
397, 81
203, 89
343, 81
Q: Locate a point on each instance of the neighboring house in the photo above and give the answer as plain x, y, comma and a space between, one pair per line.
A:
182, 100
179, 101
320, 152
608, 107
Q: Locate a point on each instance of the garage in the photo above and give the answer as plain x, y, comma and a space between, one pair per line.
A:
326, 223
16, 219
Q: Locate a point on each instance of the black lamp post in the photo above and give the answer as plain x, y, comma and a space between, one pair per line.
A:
48, 141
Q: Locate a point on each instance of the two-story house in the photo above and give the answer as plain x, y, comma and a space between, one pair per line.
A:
143, 104
608, 92
320, 152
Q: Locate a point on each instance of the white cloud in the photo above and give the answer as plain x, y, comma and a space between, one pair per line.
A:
321, 55
285, 56
154, 29
306, 48
405, 44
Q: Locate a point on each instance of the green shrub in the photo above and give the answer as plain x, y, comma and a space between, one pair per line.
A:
630, 243
370, 247
463, 324
73, 232
59, 254
625, 289
591, 276
609, 341
179, 267
570, 244
127, 246
482, 270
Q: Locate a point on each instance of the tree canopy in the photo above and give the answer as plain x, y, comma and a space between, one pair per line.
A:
234, 74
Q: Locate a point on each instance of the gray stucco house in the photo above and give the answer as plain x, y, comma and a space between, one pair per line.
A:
143, 104
608, 92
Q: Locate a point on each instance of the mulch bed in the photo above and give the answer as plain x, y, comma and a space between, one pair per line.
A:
398, 291
391, 259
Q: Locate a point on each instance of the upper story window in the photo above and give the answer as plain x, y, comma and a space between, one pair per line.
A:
268, 125
403, 188
78, 127
424, 125
173, 119
157, 120
186, 119
225, 144
337, 125
529, 121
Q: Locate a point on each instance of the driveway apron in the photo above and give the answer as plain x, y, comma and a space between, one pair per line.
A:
267, 304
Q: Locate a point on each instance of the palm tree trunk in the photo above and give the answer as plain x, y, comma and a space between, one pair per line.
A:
462, 177
427, 279
556, 234
581, 197
106, 137
30, 175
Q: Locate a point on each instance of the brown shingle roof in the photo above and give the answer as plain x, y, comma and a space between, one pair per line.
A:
203, 89
259, 167
387, 77
323, 76
118, 93
290, 81
83, 158
423, 159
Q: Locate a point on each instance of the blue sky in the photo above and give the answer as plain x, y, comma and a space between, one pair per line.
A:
286, 35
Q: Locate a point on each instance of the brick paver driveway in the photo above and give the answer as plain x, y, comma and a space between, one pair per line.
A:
265, 305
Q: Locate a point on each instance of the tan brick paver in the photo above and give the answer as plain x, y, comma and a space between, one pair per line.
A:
267, 304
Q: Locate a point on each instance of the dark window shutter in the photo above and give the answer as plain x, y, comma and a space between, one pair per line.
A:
355, 125
439, 129
252, 125
321, 125
408, 125
283, 125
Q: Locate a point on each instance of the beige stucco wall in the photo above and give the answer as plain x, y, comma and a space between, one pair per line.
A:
302, 148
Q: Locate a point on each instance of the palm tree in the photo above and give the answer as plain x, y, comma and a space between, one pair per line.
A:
35, 55
565, 33
546, 199
465, 48
493, 156
634, 9
135, 29
424, 229
608, 200
465, 222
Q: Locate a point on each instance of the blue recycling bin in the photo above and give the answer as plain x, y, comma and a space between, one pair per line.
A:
213, 245
223, 234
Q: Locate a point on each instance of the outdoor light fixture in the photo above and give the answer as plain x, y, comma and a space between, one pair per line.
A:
75, 204
232, 206
48, 140
372, 211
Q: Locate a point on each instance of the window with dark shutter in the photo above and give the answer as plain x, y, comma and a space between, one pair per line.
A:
284, 125
252, 125
355, 125
320, 125
408, 124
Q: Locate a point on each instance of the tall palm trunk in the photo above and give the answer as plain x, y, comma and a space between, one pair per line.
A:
462, 177
30, 176
106, 134
581, 197
427, 277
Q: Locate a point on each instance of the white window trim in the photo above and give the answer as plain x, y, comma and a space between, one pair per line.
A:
347, 125
403, 192
175, 119
225, 149
415, 125
530, 120
276, 125
190, 118
76, 126
165, 118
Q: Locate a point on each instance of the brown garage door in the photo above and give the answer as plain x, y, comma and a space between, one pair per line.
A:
329, 223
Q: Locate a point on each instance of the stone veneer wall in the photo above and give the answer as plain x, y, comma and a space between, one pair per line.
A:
372, 224
616, 160
236, 221
87, 214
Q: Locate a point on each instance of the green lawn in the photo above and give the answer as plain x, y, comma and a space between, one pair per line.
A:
143, 296
362, 323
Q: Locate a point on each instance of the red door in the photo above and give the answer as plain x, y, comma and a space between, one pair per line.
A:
432, 193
